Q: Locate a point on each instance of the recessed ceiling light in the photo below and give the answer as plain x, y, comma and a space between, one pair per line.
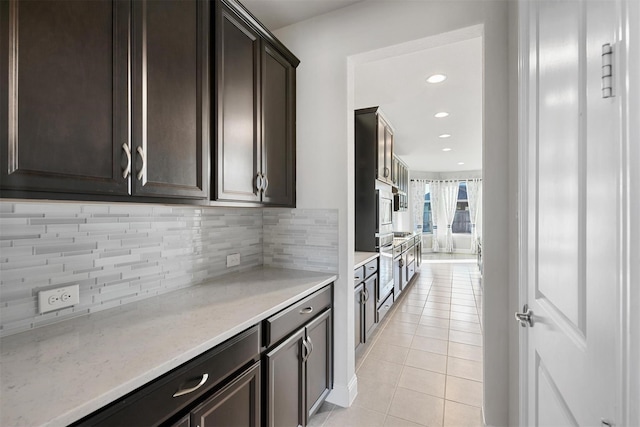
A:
461, 163
444, 135
441, 115
446, 149
437, 78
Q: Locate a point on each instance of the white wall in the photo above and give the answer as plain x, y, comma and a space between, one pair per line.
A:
326, 45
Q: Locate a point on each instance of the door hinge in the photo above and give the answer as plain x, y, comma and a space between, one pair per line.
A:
607, 71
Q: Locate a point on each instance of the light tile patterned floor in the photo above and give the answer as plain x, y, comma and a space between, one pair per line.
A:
424, 366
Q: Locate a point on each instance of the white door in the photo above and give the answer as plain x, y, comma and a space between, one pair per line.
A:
572, 218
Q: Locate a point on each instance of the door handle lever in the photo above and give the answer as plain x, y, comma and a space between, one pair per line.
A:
526, 317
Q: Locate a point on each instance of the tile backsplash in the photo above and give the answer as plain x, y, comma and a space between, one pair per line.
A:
121, 253
304, 239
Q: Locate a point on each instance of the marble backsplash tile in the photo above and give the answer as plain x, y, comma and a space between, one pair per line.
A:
122, 253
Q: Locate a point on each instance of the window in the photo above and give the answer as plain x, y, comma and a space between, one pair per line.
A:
462, 219
426, 215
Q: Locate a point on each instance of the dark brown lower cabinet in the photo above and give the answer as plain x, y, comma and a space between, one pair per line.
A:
218, 388
358, 297
299, 373
236, 405
365, 302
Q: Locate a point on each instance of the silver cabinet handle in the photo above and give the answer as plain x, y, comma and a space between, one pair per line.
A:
266, 183
259, 182
127, 170
310, 347
184, 391
140, 151
363, 296
306, 310
366, 294
305, 350
526, 317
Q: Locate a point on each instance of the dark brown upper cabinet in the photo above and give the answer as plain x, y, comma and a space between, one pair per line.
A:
254, 91
76, 119
374, 140
64, 96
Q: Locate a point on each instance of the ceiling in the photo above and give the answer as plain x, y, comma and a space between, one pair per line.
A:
398, 85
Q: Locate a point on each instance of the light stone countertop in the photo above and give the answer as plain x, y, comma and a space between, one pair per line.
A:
361, 258
57, 374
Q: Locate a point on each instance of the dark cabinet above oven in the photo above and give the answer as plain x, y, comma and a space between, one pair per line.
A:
373, 174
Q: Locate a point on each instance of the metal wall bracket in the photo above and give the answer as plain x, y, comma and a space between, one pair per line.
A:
607, 71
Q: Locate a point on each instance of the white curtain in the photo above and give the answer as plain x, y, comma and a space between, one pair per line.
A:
417, 203
449, 199
474, 196
434, 187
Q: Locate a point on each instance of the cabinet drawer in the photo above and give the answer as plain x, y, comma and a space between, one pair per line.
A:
397, 250
384, 308
411, 255
411, 270
154, 403
370, 267
288, 320
358, 275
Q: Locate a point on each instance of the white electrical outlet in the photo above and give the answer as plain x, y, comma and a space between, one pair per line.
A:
55, 299
233, 260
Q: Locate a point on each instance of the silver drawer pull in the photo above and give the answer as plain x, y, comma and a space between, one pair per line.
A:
306, 310
182, 392
371, 267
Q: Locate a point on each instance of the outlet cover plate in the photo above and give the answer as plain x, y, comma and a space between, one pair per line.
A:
233, 260
58, 298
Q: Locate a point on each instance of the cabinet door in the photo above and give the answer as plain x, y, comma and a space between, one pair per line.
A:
411, 270
170, 98
278, 128
236, 405
358, 313
405, 271
382, 172
64, 96
370, 286
285, 387
319, 365
388, 152
237, 94
397, 276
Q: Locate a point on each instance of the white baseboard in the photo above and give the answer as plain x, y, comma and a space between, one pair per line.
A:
344, 395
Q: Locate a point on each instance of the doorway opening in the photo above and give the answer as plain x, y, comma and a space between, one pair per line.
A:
432, 342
